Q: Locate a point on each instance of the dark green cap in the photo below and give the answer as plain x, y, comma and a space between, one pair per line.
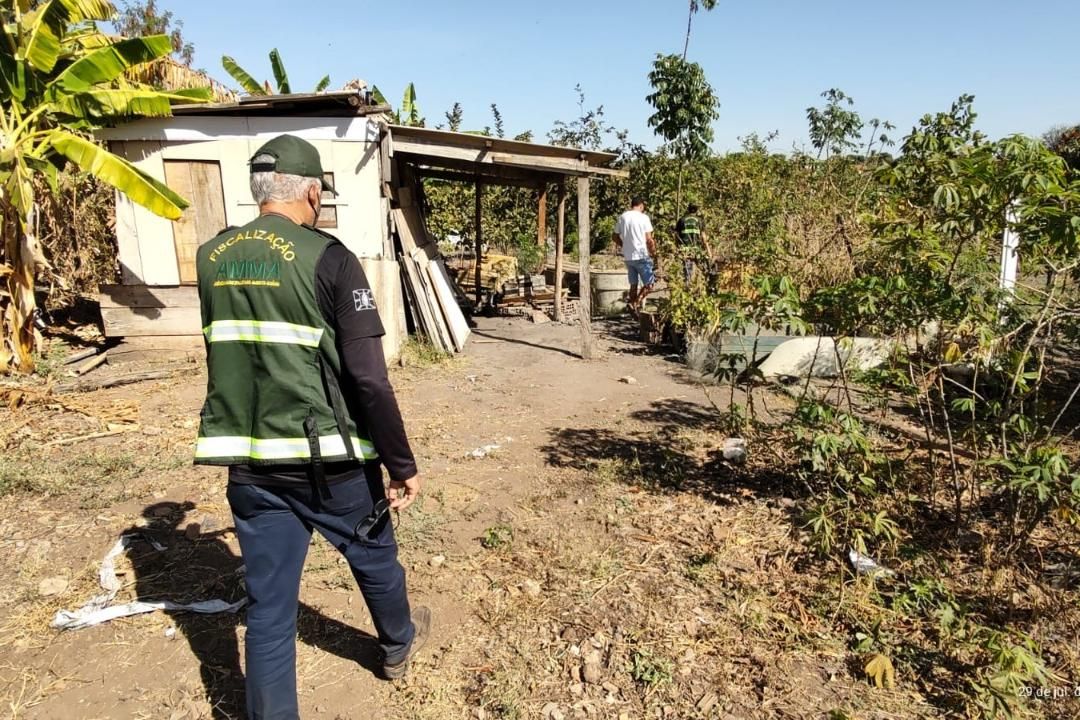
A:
292, 156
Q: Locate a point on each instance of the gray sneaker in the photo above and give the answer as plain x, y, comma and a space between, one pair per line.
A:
421, 618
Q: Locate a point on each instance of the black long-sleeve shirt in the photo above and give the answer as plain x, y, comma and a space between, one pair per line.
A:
347, 303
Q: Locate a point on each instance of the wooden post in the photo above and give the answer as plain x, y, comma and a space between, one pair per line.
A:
479, 232
541, 220
584, 250
560, 239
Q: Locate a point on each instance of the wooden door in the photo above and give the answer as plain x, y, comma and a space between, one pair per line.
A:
198, 182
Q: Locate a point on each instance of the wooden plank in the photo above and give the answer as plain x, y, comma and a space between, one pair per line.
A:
541, 220
430, 299
385, 279
584, 252
455, 319
416, 299
200, 182
431, 317
479, 232
411, 302
559, 165
129, 321
565, 166
142, 296
385, 162
488, 176
560, 239
411, 230
438, 150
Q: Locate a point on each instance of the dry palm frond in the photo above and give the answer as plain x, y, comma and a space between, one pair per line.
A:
169, 74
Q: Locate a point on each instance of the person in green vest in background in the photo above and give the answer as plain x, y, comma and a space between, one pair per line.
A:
692, 243
300, 409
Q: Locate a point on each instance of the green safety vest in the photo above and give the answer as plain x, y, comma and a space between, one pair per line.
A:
691, 231
273, 394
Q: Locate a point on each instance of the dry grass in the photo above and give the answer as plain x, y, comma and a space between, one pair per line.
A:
649, 605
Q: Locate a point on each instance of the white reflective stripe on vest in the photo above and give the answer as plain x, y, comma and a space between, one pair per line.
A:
279, 448
262, 331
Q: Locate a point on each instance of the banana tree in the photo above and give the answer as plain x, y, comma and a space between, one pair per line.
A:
409, 112
252, 86
60, 78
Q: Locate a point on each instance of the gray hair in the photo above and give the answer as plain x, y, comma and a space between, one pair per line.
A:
279, 187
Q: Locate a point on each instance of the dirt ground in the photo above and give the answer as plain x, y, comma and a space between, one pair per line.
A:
586, 550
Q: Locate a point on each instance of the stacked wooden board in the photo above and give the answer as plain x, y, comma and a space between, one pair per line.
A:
433, 297
494, 271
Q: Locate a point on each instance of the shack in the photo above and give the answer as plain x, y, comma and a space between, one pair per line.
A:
377, 168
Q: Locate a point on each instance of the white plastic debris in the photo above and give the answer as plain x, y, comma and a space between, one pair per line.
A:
80, 619
97, 610
484, 451
734, 450
867, 565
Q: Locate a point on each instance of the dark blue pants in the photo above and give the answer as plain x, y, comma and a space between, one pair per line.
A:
273, 525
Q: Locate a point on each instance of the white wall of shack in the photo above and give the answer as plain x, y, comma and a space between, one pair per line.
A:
348, 147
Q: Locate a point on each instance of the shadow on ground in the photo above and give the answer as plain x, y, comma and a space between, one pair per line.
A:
193, 568
658, 455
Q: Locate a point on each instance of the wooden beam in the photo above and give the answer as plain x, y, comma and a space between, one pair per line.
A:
438, 151
479, 194
560, 238
584, 251
560, 165
465, 176
541, 220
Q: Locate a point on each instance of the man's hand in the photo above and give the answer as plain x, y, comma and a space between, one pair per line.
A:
403, 493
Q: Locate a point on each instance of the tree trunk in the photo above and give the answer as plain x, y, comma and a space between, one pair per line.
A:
689, 23
21, 254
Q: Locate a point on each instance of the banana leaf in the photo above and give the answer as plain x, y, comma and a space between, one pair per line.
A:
109, 63
410, 113
12, 77
247, 83
118, 172
280, 76
323, 84
377, 96
41, 30
81, 10
196, 94
109, 104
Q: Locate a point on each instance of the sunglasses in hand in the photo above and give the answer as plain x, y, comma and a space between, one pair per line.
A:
367, 524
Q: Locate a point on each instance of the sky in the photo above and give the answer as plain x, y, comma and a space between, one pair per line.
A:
768, 60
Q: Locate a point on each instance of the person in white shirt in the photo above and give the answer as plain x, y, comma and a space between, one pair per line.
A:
634, 237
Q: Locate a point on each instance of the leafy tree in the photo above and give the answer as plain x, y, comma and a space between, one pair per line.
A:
685, 107
252, 87
61, 77
139, 19
499, 130
835, 128
589, 130
1065, 141
453, 118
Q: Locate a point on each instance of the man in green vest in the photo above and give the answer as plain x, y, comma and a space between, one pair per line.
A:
692, 245
299, 407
